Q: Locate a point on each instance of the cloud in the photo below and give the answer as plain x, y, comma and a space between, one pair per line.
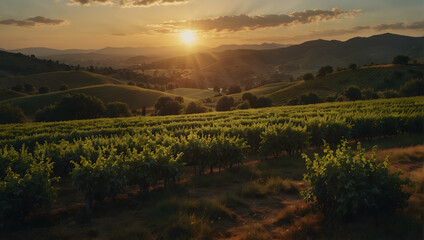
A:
400, 26
246, 22
130, 3
33, 22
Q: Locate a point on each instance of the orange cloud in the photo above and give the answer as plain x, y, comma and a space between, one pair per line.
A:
33, 22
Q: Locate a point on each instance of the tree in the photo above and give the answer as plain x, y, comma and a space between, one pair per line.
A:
234, 89
323, 71
43, 90
352, 66
179, 99
18, 88
263, 102
143, 111
401, 59
216, 89
243, 105
117, 109
167, 106
353, 93
195, 107
11, 114
310, 98
308, 76
64, 87
225, 103
72, 107
251, 98
390, 93
170, 86
369, 94
414, 87
29, 87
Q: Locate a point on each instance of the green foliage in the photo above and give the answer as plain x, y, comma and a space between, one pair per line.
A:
225, 103
251, 98
167, 106
11, 114
278, 138
263, 102
64, 87
310, 98
25, 183
243, 105
324, 71
346, 184
29, 87
118, 109
308, 76
43, 90
401, 59
353, 93
234, 89
72, 107
18, 87
352, 66
414, 87
195, 107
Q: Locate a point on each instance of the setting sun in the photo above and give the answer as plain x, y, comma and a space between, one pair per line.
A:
188, 37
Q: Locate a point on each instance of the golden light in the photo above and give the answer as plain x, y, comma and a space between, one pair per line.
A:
188, 37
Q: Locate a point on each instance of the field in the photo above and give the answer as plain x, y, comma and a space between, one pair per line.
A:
9, 94
135, 97
54, 80
378, 78
192, 93
206, 176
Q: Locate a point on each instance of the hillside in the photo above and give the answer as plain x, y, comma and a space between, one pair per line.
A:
18, 64
308, 56
6, 94
192, 93
135, 97
379, 78
53, 80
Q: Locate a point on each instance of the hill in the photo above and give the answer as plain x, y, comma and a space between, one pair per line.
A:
18, 64
192, 93
6, 94
53, 80
305, 57
135, 97
378, 77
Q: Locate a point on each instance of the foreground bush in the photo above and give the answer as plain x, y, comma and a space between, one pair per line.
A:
347, 184
11, 114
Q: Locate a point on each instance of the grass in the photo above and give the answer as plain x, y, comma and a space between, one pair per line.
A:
269, 186
377, 78
53, 80
6, 94
193, 93
134, 96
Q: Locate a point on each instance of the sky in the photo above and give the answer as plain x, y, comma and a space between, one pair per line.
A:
94, 24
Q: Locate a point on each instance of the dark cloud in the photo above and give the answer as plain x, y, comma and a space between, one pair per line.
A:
400, 26
245, 22
130, 3
33, 22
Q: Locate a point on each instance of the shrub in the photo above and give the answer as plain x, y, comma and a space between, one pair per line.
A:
308, 76
243, 105
196, 107
414, 87
225, 103
278, 138
401, 59
251, 98
18, 87
324, 71
64, 87
118, 109
352, 66
234, 89
25, 183
11, 114
390, 93
43, 90
263, 102
369, 94
29, 87
167, 106
72, 107
344, 184
353, 93
311, 98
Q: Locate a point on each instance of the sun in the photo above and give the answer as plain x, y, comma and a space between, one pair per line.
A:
188, 37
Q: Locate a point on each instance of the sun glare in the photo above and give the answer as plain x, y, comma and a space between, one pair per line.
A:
188, 37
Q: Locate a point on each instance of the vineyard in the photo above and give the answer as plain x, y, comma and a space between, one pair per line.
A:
104, 157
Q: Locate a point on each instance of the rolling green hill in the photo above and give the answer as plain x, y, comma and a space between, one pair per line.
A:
135, 97
53, 80
192, 93
378, 77
6, 94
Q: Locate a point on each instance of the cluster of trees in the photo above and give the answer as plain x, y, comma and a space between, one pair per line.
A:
81, 106
413, 87
248, 100
174, 106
